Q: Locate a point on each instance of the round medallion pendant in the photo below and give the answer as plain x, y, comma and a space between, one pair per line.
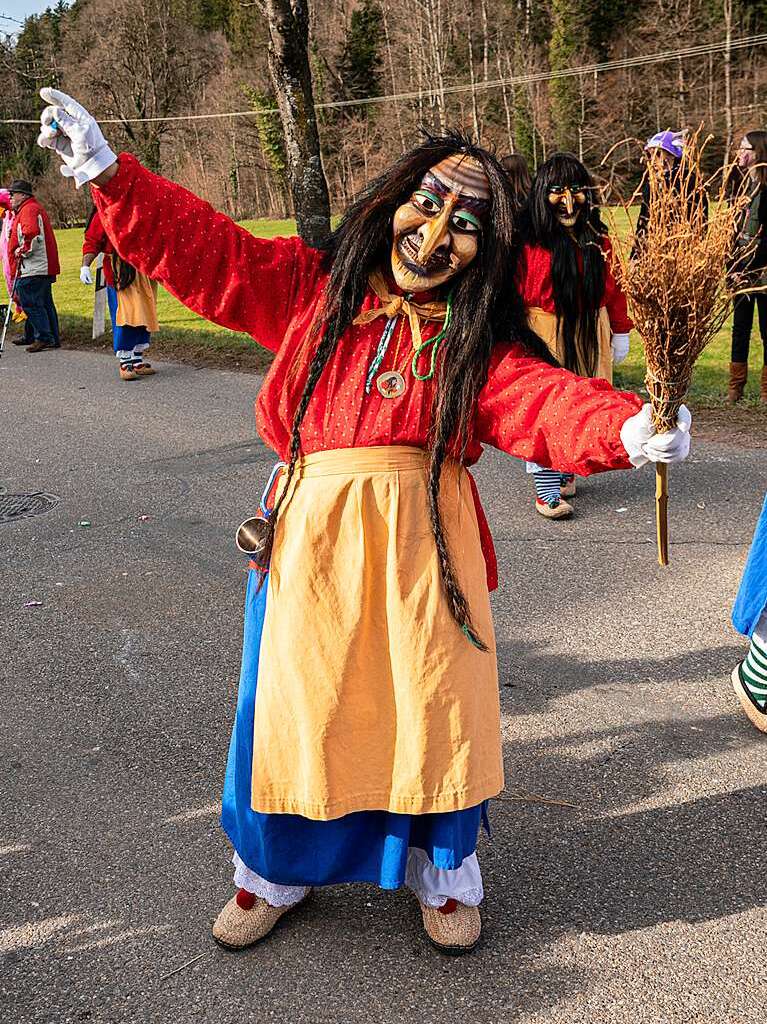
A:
391, 384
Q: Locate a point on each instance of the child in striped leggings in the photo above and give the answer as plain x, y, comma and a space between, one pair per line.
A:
749, 616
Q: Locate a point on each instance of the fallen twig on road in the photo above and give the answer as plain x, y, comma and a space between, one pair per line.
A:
187, 964
534, 798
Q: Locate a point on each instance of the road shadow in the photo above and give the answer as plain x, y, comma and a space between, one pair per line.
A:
532, 678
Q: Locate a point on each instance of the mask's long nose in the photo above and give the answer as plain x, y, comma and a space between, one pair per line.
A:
569, 202
434, 233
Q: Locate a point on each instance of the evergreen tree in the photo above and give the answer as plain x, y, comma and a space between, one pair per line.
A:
570, 22
360, 62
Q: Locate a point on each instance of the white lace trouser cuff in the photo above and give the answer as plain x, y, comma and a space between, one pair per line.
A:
129, 353
433, 886
274, 894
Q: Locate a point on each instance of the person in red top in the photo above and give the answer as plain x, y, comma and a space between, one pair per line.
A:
569, 292
34, 256
132, 300
366, 742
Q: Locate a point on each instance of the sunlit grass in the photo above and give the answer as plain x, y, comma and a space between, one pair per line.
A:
182, 327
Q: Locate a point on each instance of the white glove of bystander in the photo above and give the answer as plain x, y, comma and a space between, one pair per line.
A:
620, 347
85, 275
76, 137
643, 444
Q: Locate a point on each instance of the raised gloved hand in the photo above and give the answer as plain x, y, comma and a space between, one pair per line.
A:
644, 444
85, 275
620, 346
69, 130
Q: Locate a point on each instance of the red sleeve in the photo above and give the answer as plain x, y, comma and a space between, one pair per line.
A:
96, 239
551, 416
615, 300
27, 221
208, 262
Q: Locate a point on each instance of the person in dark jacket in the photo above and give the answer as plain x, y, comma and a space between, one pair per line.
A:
752, 242
34, 257
518, 174
666, 150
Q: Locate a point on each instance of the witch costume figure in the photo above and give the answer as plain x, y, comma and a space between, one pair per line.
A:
367, 737
749, 616
571, 298
132, 301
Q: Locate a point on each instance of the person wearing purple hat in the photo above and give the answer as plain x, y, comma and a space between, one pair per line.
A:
668, 145
665, 148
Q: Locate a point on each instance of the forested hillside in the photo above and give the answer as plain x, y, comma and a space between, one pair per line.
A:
129, 59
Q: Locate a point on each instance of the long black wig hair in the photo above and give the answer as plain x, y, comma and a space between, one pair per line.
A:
577, 294
124, 272
485, 310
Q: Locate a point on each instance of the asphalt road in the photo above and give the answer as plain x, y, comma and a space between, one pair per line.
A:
643, 902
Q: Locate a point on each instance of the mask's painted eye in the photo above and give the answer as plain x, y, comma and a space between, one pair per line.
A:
465, 221
557, 190
427, 201
579, 197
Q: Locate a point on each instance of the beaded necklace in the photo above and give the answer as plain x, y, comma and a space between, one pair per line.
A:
391, 383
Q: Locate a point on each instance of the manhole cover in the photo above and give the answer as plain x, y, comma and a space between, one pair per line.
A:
24, 506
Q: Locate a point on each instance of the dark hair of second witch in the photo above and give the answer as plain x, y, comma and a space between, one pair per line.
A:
124, 272
485, 310
577, 295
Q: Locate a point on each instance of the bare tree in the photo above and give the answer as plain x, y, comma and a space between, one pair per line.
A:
288, 22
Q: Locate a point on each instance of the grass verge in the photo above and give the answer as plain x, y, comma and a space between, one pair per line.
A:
186, 337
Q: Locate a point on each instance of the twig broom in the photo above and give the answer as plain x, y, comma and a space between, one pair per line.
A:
678, 281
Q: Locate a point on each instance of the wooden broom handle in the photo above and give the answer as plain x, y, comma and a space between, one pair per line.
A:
661, 510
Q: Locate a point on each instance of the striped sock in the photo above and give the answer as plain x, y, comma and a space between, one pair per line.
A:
547, 483
753, 673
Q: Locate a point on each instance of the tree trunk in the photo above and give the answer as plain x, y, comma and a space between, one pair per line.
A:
288, 22
728, 74
472, 79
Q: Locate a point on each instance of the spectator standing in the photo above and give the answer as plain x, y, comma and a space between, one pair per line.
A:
33, 252
518, 174
752, 240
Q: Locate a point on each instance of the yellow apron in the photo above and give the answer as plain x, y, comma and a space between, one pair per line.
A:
545, 326
137, 305
369, 696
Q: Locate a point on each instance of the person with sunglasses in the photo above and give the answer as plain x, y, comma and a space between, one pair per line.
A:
750, 264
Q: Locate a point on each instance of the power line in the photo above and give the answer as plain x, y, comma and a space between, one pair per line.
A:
640, 60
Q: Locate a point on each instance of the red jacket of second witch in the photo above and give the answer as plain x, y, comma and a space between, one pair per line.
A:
536, 288
271, 288
97, 240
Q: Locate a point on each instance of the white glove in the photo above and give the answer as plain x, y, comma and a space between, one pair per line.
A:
76, 138
620, 347
643, 444
85, 275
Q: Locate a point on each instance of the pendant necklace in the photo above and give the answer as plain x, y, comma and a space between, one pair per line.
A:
383, 345
391, 383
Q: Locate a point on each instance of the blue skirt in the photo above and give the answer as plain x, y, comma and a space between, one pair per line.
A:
124, 339
367, 846
752, 595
